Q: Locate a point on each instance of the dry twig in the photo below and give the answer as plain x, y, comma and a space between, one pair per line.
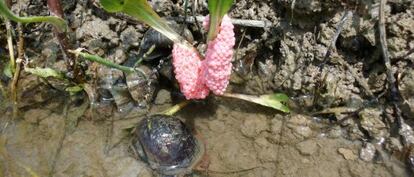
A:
394, 93
241, 22
328, 54
197, 19
15, 81
383, 40
339, 28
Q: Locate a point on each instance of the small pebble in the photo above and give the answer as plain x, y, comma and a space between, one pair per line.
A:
367, 153
304, 131
163, 97
347, 154
308, 147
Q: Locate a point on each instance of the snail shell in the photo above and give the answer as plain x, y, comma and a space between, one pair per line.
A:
113, 88
142, 85
167, 145
162, 44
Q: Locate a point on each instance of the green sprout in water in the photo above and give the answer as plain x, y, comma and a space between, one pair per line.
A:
59, 23
105, 62
102, 61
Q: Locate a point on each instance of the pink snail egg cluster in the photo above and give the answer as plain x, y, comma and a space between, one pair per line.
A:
195, 77
187, 69
218, 58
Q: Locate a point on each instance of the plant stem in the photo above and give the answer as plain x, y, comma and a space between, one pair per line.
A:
55, 21
217, 9
150, 50
77, 74
15, 81
102, 61
10, 39
171, 111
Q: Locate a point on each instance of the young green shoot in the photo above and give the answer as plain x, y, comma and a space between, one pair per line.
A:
142, 11
59, 23
217, 9
271, 100
106, 62
103, 61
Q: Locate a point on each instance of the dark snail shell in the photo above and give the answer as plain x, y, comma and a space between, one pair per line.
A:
167, 145
162, 44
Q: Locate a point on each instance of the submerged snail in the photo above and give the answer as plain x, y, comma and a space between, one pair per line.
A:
167, 145
142, 85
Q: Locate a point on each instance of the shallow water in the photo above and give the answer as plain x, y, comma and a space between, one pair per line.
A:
242, 139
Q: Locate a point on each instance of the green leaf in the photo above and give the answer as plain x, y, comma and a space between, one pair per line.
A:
45, 72
142, 11
274, 101
278, 96
217, 9
112, 5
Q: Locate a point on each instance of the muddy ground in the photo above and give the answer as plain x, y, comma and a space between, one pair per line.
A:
342, 121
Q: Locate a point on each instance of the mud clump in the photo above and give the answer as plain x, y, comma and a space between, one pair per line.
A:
371, 122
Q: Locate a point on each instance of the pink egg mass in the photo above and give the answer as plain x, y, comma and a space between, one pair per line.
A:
218, 58
187, 69
195, 77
